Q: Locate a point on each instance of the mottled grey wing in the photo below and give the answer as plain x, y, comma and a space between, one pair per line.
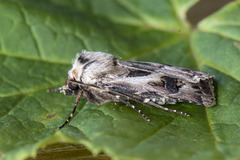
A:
168, 70
163, 84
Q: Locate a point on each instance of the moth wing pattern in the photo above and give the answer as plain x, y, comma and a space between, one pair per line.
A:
169, 84
162, 84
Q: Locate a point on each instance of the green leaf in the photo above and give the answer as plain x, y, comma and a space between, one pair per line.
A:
39, 39
216, 45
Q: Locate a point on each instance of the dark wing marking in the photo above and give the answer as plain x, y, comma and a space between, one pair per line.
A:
137, 73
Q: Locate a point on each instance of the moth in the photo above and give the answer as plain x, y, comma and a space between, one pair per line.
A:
100, 77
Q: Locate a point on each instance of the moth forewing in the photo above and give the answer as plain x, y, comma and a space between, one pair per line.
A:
172, 84
101, 78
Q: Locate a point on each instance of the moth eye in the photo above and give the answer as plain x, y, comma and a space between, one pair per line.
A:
73, 86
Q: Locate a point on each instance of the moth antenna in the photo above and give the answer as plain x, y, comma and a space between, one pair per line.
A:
168, 109
79, 95
55, 89
138, 110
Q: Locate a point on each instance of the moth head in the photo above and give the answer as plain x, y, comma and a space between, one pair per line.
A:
72, 84
70, 88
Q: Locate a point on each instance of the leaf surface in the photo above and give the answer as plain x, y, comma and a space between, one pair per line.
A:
39, 39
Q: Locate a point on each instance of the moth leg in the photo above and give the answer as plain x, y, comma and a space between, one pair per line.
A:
168, 109
132, 106
79, 95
